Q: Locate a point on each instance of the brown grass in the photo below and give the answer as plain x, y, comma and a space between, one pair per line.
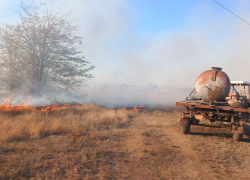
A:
77, 121
69, 143
96, 143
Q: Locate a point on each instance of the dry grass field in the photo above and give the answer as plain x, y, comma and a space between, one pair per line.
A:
95, 143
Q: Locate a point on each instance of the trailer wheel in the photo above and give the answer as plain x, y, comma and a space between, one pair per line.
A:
237, 136
185, 129
185, 126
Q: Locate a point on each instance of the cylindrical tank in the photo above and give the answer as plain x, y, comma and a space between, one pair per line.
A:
213, 85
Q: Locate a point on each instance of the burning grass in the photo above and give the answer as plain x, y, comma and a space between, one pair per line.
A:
8, 107
59, 142
88, 142
27, 123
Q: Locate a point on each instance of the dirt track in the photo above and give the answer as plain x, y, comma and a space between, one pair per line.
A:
149, 147
158, 150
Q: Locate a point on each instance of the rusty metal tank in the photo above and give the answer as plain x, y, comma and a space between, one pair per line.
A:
213, 85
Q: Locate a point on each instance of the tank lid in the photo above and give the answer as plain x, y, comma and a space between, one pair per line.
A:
217, 68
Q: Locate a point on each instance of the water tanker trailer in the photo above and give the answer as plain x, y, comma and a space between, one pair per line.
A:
212, 100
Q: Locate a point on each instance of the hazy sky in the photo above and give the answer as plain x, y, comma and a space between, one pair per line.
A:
164, 42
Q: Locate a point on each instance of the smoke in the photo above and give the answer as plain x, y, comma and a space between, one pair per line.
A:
170, 58
121, 95
123, 55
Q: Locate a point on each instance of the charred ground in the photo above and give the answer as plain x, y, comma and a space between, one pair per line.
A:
97, 143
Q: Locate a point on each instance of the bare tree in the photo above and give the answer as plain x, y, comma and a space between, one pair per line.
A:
41, 52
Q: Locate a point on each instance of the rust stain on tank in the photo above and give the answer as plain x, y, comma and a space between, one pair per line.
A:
213, 85
203, 78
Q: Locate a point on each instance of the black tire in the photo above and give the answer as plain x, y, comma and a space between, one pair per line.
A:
237, 136
185, 129
185, 125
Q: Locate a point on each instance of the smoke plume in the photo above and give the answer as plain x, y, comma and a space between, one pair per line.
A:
171, 58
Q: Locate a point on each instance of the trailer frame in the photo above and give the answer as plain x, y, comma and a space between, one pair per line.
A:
214, 111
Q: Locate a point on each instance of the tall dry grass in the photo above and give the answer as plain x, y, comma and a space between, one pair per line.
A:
76, 120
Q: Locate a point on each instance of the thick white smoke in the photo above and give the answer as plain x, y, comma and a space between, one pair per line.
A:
172, 58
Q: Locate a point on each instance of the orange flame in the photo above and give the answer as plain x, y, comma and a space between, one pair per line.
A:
135, 108
6, 102
26, 106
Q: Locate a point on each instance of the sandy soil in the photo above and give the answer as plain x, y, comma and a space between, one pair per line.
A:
149, 147
158, 150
